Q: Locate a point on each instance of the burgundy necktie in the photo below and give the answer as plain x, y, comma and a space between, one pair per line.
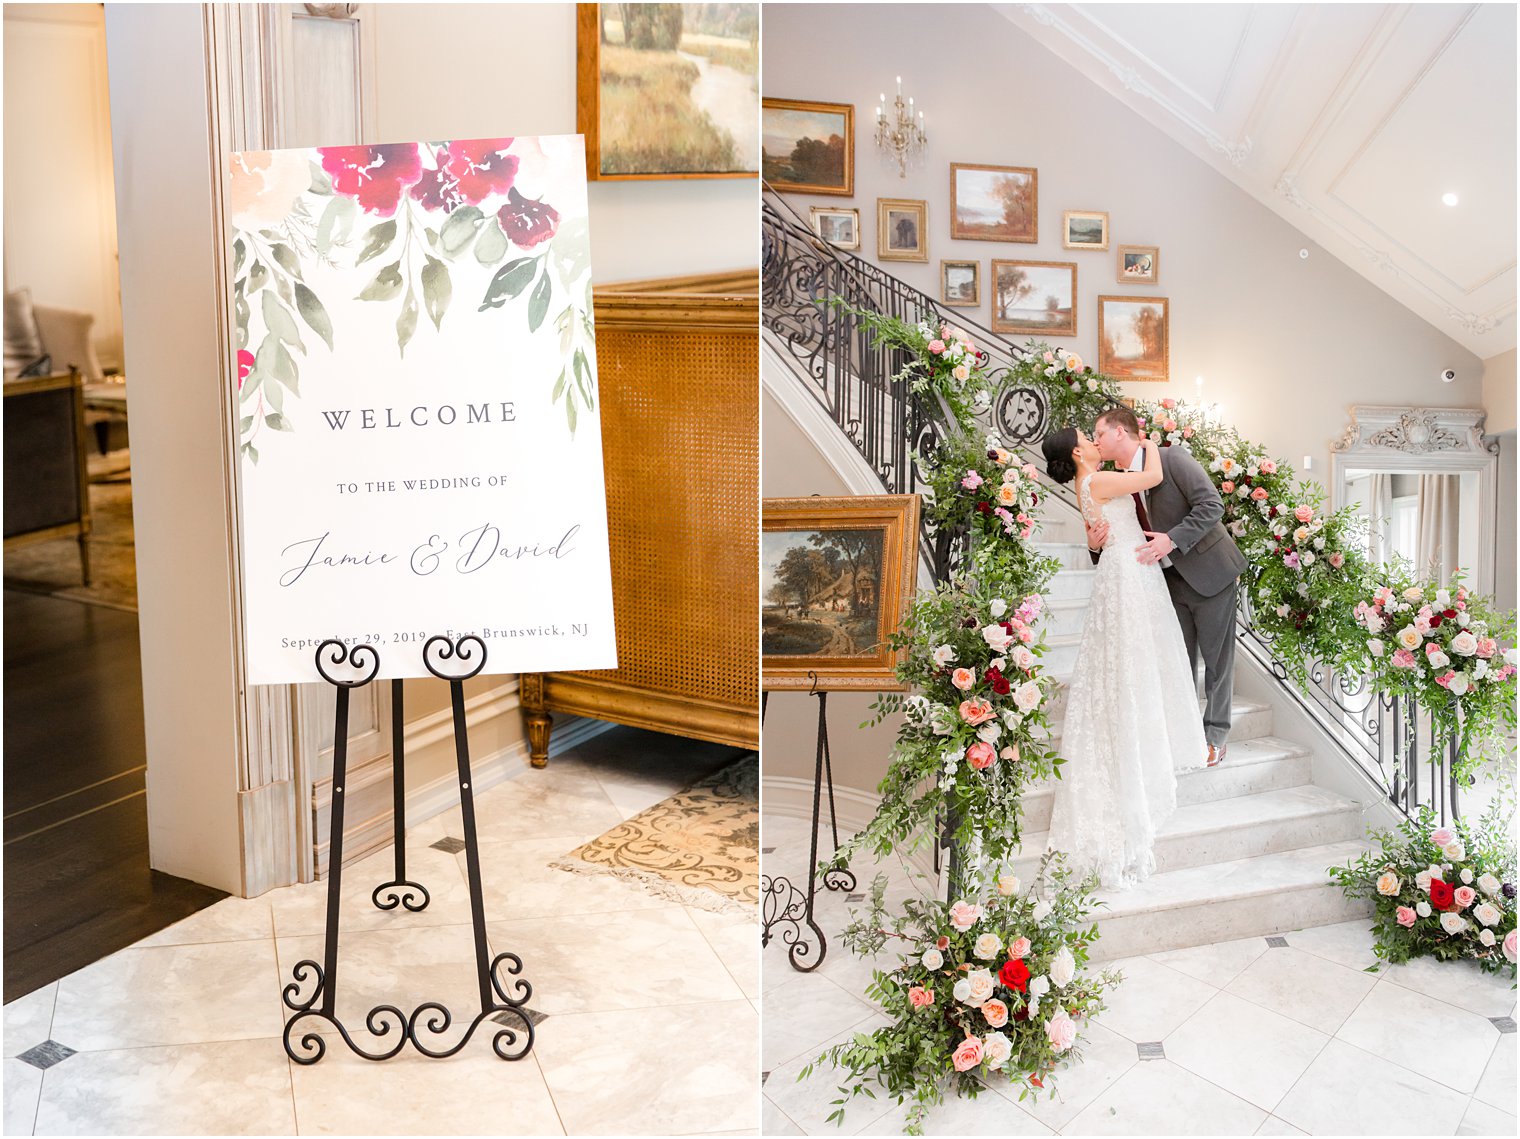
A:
1145, 522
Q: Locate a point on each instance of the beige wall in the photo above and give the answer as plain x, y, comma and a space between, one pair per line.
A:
60, 216
1284, 344
1499, 392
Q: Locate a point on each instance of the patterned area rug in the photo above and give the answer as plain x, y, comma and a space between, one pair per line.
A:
53, 567
700, 847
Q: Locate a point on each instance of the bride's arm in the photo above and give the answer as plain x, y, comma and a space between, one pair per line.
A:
1111, 484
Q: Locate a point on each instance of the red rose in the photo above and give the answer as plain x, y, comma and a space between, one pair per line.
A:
1449, 614
984, 507
1442, 894
1015, 974
1022, 1013
998, 681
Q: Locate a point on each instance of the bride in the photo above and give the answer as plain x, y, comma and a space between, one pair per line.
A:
1131, 713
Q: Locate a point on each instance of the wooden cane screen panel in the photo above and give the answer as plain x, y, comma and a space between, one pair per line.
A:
678, 372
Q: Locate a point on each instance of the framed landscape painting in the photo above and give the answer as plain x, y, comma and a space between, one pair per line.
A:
1133, 337
1084, 229
668, 90
960, 283
1139, 264
994, 203
902, 229
836, 575
1035, 298
840, 228
808, 148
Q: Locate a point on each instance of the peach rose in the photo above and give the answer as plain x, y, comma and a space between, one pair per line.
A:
1405, 916
1464, 896
1018, 948
1510, 946
1227, 487
1388, 884
1259, 494
980, 755
964, 679
920, 997
1268, 467
964, 915
968, 1055
996, 1013
1168, 403
1007, 494
1303, 513
976, 711
1487, 646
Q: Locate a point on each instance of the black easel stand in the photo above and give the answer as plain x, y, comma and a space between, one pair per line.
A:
429, 1020
783, 903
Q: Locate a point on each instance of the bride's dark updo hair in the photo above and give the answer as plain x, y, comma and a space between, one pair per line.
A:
1059, 464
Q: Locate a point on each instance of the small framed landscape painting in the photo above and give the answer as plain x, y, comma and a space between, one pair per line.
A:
1084, 229
840, 228
668, 90
807, 148
1133, 337
994, 203
1139, 264
902, 229
960, 283
836, 575
1037, 298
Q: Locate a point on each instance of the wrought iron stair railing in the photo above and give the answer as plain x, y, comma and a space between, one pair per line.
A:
860, 385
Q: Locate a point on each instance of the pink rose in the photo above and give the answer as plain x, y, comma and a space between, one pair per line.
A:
964, 679
972, 480
1026, 635
1187, 432
1259, 494
996, 1013
1443, 836
1304, 513
920, 997
1061, 1031
968, 1055
1403, 658
1487, 646
1405, 916
1337, 560
1169, 425
936, 346
976, 711
1268, 467
1019, 947
964, 915
1291, 559
1464, 896
1227, 487
1509, 946
1168, 403
980, 755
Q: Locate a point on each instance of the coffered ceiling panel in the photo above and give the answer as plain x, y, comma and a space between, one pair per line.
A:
1349, 120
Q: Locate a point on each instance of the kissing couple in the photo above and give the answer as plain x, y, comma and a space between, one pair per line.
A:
1163, 596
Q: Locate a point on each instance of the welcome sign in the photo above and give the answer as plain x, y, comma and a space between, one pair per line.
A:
417, 400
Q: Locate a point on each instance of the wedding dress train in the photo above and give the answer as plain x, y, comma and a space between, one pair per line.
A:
1132, 717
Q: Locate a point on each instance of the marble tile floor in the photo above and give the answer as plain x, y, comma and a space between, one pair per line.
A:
1260, 1036
181, 1033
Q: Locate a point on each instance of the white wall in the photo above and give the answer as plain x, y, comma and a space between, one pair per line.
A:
60, 215
1499, 392
1284, 344
437, 80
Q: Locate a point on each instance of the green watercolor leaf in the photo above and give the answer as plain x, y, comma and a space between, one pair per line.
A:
258, 277
387, 284
459, 230
277, 421
538, 303
437, 290
337, 222
406, 323
320, 182
510, 280
314, 314
491, 246
238, 250
377, 241
286, 259
279, 321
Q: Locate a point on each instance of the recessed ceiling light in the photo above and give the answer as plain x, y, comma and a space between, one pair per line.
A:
1449, 199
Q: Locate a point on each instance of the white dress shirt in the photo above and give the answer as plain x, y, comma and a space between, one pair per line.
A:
1137, 463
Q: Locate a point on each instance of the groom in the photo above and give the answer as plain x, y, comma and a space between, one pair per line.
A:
1181, 517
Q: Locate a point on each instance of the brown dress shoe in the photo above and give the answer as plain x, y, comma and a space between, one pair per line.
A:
1216, 755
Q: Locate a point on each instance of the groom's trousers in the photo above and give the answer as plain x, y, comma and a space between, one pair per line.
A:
1208, 630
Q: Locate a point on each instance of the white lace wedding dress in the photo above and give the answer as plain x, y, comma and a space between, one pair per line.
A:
1132, 719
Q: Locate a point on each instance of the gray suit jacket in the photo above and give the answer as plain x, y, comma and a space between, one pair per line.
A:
1187, 507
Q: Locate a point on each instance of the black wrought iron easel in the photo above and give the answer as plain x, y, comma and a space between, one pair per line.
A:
783, 904
431, 1019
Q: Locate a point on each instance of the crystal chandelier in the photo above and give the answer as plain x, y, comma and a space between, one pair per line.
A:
899, 131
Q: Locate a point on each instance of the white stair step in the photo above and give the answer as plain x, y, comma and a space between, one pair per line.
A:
1251, 897
1065, 617
1253, 766
1248, 719
1071, 583
1225, 830
1071, 555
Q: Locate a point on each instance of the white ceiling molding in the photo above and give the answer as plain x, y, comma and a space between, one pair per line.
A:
1350, 121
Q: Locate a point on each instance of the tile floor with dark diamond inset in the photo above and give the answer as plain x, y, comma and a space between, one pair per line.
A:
1280, 1035
448, 844
113, 1049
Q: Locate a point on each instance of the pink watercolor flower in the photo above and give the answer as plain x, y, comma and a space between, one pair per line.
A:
245, 360
964, 679
972, 480
980, 755
964, 915
968, 1055
1405, 916
920, 997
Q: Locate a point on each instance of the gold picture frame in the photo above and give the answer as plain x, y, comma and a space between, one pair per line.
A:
822, 168
959, 293
902, 229
1139, 265
1134, 338
597, 85
976, 190
840, 227
1085, 229
836, 577
1052, 285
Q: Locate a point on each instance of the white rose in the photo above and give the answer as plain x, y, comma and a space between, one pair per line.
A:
1027, 696
997, 637
1511, 656
1375, 647
932, 959
1422, 880
1033, 1006
962, 990
1000, 663
1374, 623
1437, 659
1480, 670
941, 720
1458, 684
1023, 658
1486, 936
1319, 543
1008, 885
1464, 644
1307, 557
996, 1050
1453, 923
1063, 967
1464, 619
1456, 851
1466, 876
1092, 385
1489, 885
982, 986
944, 655
1041, 910
1012, 719
987, 946
1301, 535
997, 607
1422, 908
1409, 637
1443, 599
1039, 986
1487, 913
989, 732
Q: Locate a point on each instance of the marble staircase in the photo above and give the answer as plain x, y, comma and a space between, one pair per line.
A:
1246, 852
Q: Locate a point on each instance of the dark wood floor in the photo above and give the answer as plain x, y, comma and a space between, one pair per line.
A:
77, 882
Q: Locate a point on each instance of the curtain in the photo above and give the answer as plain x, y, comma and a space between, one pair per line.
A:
1380, 511
1439, 504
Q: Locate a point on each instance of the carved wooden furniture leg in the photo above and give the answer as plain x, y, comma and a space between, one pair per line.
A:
530, 693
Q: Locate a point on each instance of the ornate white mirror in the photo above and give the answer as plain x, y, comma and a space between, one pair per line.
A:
1426, 478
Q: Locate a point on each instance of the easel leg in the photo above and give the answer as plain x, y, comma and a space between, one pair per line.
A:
842, 878
335, 856
399, 892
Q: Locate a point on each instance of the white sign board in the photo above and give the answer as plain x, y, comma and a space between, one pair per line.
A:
420, 439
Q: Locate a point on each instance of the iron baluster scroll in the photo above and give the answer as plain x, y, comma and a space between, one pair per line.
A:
430, 1020
782, 903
